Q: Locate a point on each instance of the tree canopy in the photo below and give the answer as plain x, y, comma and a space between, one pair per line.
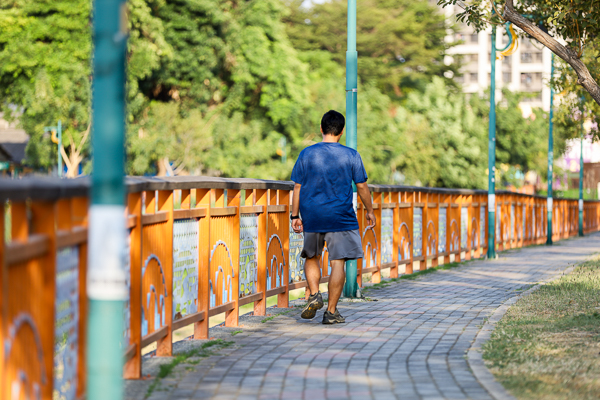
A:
570, 29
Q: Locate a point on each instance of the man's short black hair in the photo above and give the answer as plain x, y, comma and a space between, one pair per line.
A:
333, 123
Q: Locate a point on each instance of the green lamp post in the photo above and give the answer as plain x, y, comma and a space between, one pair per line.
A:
106, 285
581, 170
351, 286
491, 251
550, 156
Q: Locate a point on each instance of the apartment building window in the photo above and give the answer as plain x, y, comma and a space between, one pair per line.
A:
474, 38
473, 77
526, 79
531, 80
530, 57
506, 77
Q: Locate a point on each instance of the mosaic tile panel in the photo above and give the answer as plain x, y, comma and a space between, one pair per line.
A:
464, 227
512, 221
296, 262
482, 221
248, 254
387, 235
417, 232
66, 341
442, 230
185, 267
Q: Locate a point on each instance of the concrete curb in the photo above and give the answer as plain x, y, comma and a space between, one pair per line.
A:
474, 355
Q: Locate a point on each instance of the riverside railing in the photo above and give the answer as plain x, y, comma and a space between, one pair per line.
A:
198, 247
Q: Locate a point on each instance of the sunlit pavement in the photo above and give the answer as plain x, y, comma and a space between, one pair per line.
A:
409, 344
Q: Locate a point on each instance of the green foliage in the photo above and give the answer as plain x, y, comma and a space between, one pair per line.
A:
576, 22
400, 43
44, 70
521, 143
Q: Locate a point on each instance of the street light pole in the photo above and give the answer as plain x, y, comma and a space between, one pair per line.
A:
491, 251
106, 284
581, 172
351, 286
550, 155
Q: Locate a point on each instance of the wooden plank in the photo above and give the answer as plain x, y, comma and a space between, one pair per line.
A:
155, 336
223, 211
298, 285
252, 209
36, 246
158, 217
453, 205
432, 205
187, 320
388, 265
475, 204
222, 308
188, 214
370, 269
389, 205
421, 258
250, 298
403, 262
443, 205
76, 236
324, 279
130, 352
275, 291
404, 205
276, 208
419, 205
131, 221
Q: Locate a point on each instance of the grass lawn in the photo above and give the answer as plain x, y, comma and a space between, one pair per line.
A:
547, 346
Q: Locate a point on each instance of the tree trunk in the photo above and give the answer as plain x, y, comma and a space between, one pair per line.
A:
585, 79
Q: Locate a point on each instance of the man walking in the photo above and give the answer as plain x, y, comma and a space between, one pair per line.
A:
322, 208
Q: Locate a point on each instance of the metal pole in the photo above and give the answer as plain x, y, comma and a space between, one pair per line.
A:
491, 251
106, 278
581, 175
351, 286
60, 165
550, 156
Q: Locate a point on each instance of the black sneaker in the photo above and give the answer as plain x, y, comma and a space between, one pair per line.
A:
335, 318
315, 302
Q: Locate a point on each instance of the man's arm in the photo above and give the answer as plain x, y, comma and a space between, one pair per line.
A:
365, 196
296, 223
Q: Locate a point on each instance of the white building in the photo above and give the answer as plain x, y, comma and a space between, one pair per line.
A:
527, 70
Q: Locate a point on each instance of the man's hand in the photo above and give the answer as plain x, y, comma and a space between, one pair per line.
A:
297, 225
372, 220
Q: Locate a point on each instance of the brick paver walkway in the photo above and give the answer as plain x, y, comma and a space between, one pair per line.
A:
409, 344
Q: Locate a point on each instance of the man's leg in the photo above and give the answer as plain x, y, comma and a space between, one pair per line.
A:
313, 273
336, 283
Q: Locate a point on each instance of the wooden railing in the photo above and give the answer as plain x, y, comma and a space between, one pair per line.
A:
201, 246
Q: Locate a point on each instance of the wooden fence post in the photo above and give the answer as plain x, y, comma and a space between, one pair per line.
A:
164, 346
133, 366
203, 197
261, 199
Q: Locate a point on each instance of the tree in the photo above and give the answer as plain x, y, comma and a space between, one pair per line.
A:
400, 43
575, 22
231, 61
521, 143
45, 70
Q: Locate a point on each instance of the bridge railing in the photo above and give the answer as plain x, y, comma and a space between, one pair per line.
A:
198, 247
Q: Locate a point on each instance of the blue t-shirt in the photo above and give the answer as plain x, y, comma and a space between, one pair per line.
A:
326, 172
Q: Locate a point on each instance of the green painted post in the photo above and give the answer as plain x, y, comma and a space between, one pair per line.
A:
106, 285
491, 251
550, 155
351, 286
581, 174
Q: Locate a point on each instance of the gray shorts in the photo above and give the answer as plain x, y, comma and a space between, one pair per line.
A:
345, 245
